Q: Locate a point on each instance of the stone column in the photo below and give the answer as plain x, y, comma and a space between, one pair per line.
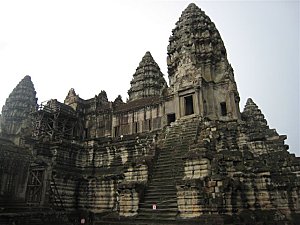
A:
177, 106
211, 106
234, 106
197, 108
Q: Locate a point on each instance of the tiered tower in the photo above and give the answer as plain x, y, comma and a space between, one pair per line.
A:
148, 80
199, 73
18, 105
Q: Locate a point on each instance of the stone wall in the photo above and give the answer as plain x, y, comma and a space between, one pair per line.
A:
227, 173
14, 171
108, 175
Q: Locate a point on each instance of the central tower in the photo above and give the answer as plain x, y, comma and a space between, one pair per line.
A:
200, 76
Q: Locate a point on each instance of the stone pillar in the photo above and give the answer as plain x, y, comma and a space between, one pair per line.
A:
177, 106
201, 102
211, 106
233, 108
197, 108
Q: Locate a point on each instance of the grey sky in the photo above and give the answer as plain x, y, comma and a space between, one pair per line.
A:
97, 45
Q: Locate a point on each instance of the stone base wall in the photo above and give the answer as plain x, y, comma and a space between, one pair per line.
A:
66, 187
188, 202
14, 172
129, 203
97, 195
197, 168
105, 174
230, 169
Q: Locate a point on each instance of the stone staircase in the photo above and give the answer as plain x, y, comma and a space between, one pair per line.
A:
169, 168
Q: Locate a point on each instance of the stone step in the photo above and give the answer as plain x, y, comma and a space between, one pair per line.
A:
159, 197
172, 164
165, 170
161, 203
161, 184
170, 156
162, 192
160, 187
159, 208
182, 133
152, 220
179, 140
159, 214
123, 222
166, 174
183, 147
169, 162
149, 205
142, 221
154, 189
169, 159
164, 180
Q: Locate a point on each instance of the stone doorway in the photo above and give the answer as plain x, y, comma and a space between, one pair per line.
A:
188, 105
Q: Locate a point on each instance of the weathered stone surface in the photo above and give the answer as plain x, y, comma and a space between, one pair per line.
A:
183, 154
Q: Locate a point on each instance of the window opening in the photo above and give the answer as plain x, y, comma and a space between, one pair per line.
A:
149, 124
117, 131
223, 109
171, 118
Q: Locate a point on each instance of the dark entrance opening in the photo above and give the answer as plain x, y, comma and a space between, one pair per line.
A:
117, 131
189, 107
223, 109
149, 124
85, 133
171, 118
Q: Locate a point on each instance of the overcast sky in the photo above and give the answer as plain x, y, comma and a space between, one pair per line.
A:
97, 45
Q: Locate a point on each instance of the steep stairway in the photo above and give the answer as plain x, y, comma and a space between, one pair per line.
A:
169, 168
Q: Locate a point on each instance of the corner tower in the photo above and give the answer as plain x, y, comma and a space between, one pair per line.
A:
200, 75
148, 80
15, 112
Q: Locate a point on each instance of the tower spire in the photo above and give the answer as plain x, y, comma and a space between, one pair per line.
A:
18, 105
195, 42
148, 80
197, 61
253, 115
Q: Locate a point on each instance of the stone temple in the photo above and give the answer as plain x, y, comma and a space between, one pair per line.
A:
176, 153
